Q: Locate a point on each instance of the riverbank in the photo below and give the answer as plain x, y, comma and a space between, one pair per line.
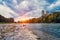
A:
15, 32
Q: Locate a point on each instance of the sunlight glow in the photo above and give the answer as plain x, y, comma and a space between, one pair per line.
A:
23, 19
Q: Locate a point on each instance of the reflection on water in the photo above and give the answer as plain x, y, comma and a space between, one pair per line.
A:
46, 31
15, 32
30, 31
52, 29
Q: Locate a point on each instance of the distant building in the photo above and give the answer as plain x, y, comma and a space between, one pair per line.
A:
44, 13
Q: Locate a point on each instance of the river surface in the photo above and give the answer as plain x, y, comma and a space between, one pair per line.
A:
30, 31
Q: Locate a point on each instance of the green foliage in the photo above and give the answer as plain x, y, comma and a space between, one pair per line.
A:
50, 18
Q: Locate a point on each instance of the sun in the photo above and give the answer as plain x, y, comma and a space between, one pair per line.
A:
23, 19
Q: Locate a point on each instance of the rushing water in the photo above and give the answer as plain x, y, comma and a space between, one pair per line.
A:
30, 31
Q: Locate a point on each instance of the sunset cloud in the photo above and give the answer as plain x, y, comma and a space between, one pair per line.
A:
7, 12
29, 8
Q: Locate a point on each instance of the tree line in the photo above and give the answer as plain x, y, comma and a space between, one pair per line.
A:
6, 20
50, 18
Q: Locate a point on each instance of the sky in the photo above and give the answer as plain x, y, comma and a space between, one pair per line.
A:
25, 9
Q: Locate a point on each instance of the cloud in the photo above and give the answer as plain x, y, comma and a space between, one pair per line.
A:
6, 11
54, 5
23, 7
36, 5
26, 8
15, 2
24, 4
34, 13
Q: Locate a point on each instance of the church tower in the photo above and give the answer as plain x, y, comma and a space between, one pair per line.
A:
44, 13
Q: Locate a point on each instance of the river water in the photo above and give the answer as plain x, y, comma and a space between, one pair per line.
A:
36, 31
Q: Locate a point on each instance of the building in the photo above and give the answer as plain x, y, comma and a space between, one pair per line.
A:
44, 13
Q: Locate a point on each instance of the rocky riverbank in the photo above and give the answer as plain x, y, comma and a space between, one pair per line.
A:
16, 32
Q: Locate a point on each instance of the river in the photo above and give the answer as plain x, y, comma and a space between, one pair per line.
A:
26, 31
